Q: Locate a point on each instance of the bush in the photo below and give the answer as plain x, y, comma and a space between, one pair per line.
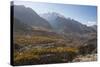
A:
45, 55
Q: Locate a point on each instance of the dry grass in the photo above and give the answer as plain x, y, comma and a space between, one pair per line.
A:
34, 40
35, 54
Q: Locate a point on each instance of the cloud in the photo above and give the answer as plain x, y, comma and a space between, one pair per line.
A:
90, 23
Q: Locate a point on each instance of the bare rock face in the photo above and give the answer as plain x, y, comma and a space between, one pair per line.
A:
86, 58
89, 47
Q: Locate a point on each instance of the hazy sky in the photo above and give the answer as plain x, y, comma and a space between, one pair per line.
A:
84, 14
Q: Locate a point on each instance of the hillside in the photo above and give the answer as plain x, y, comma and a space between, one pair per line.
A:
30, 17
66, 25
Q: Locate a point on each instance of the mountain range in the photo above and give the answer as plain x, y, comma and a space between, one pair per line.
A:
49, 37
50, 21
66, 25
